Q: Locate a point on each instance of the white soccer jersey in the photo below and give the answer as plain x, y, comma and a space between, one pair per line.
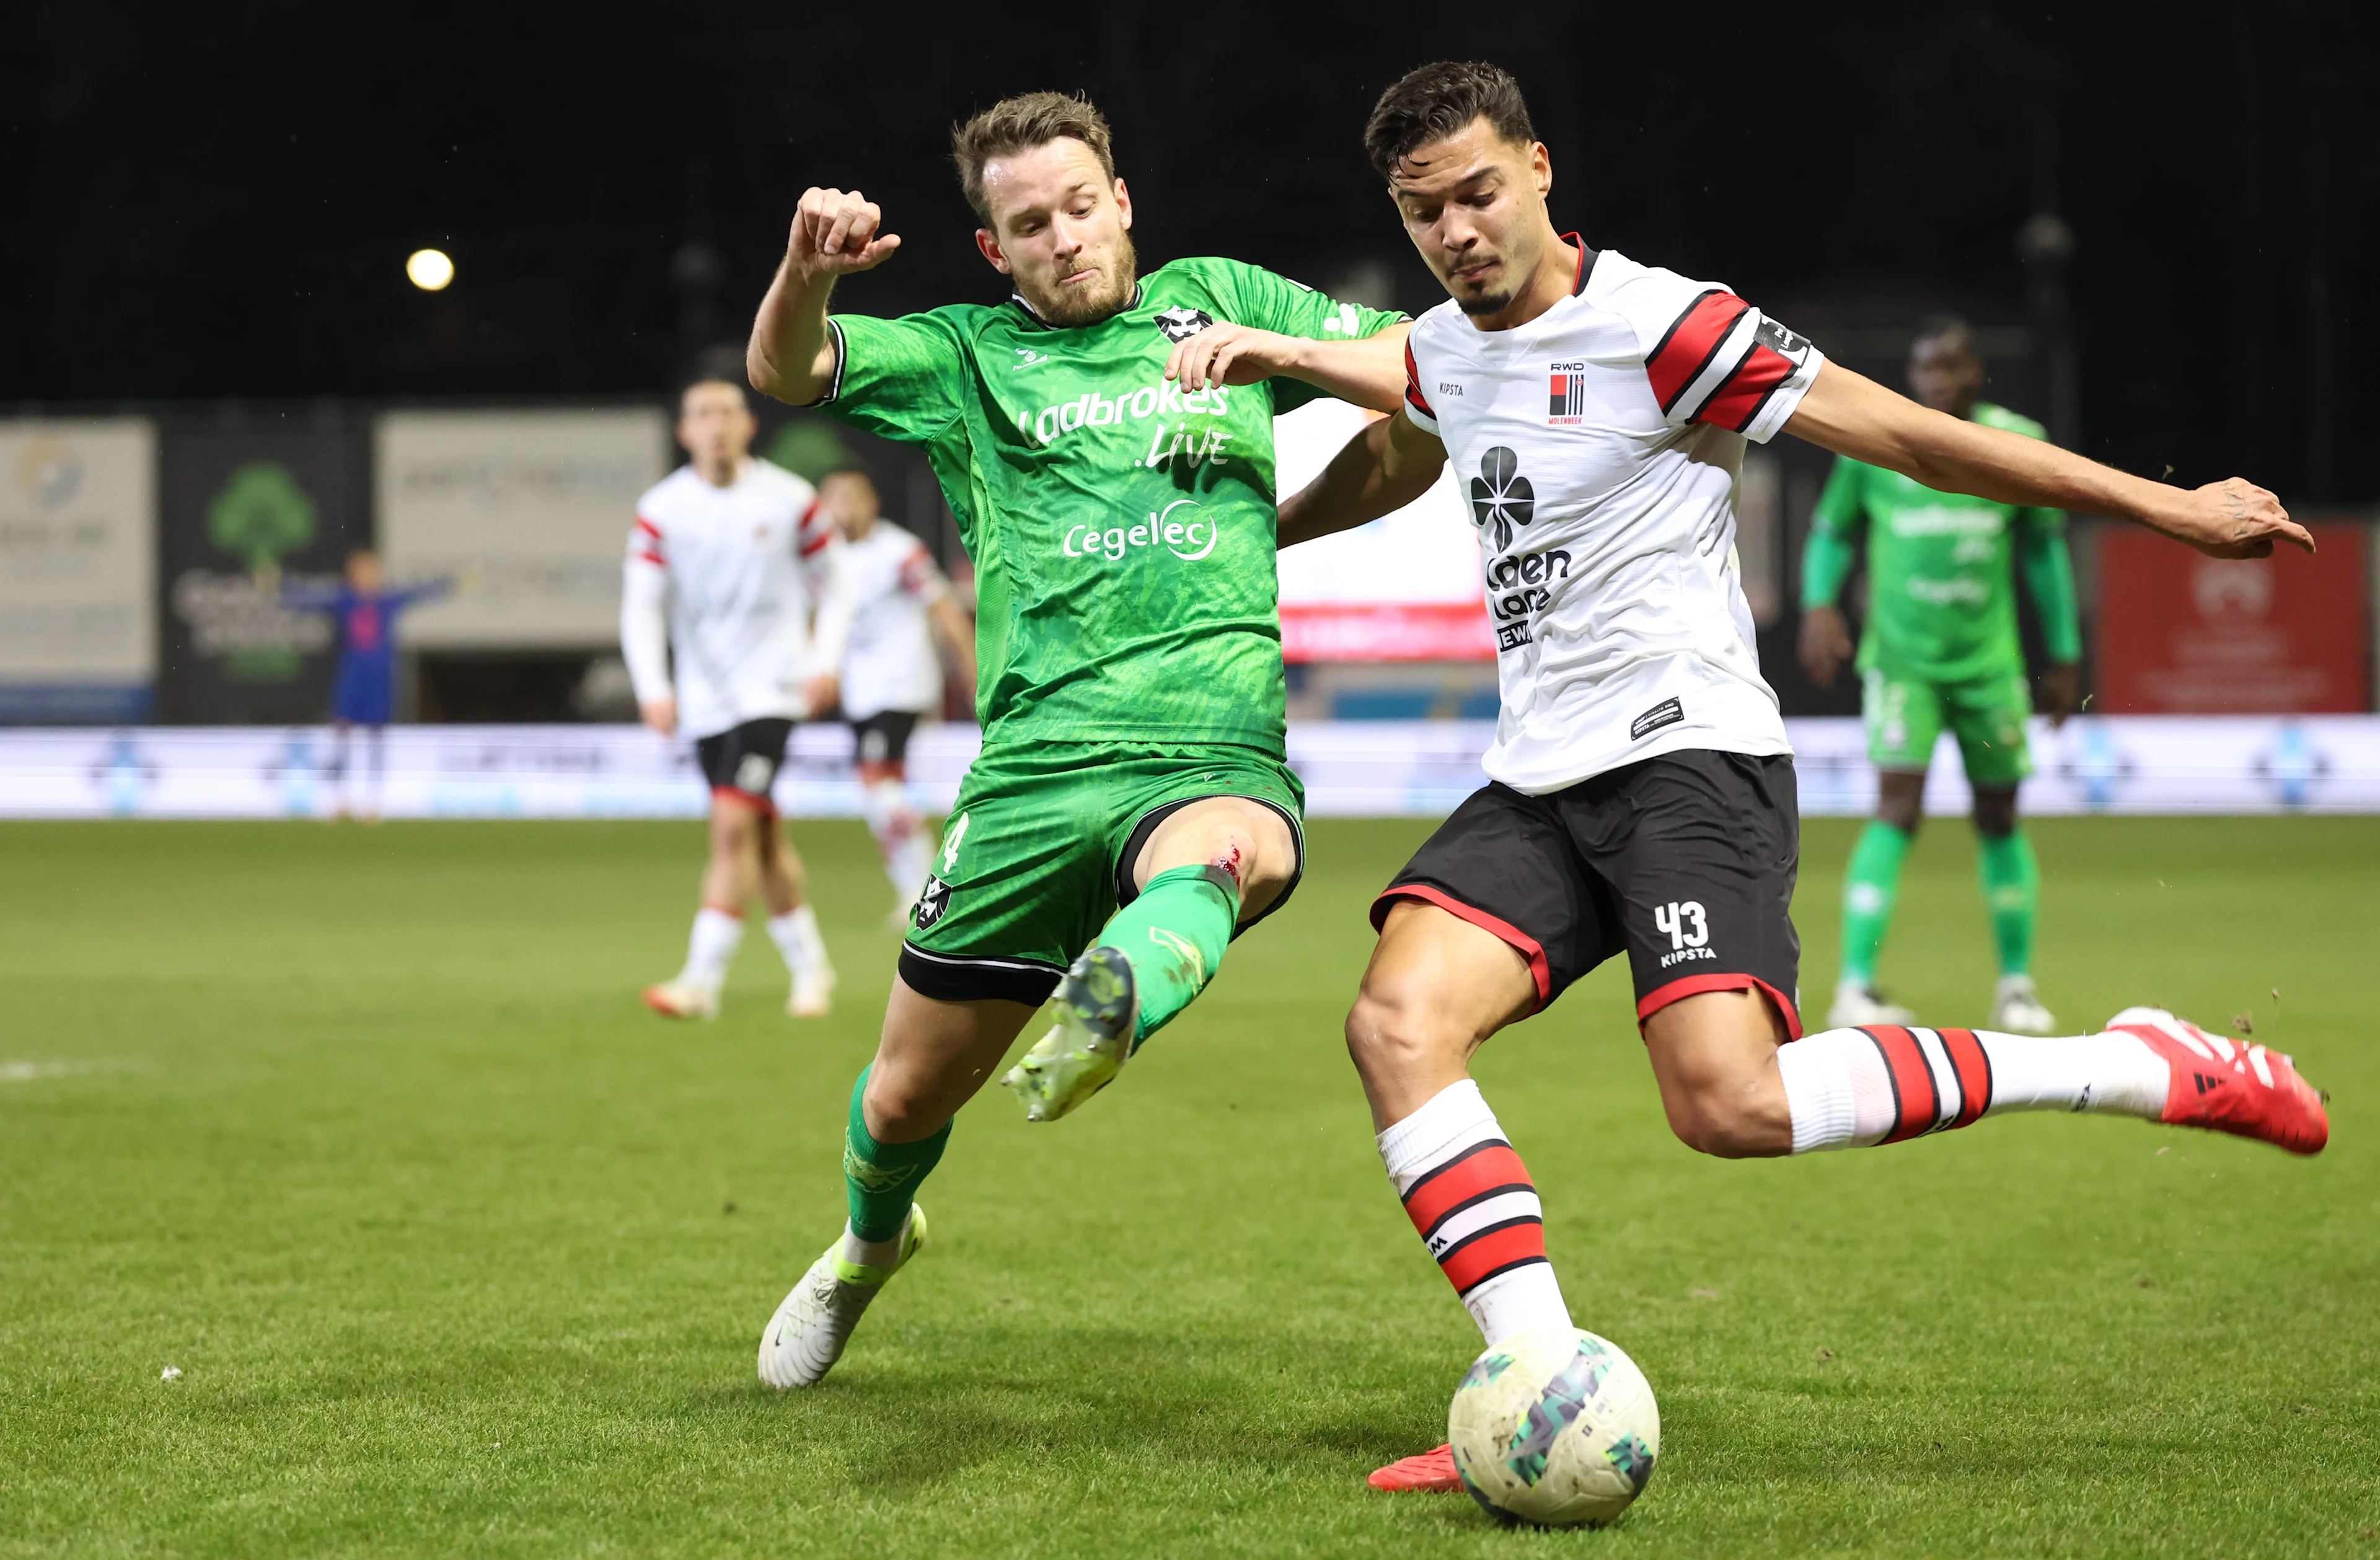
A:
735, 573
1600, 445
892, 663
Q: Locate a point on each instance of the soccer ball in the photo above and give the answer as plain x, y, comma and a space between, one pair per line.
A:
1554, 1428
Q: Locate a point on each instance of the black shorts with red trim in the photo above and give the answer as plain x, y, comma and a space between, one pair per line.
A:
742, 760
1685, 862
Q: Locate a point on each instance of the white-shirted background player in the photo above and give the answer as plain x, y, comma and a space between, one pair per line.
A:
734, 615
892, 673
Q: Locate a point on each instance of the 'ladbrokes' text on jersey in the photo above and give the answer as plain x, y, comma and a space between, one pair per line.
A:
1122, 529
1600, 444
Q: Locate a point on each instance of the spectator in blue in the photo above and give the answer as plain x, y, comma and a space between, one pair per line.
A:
363, 693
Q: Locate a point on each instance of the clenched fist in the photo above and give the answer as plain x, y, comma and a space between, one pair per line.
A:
837, 233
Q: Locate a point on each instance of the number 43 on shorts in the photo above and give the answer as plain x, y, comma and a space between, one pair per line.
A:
1688, 929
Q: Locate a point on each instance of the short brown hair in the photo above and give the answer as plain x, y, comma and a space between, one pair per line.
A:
1019, 124
1437, 101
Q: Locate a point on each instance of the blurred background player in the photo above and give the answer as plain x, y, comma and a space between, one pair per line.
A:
363, 688
1940, 648
727, 560
891, 675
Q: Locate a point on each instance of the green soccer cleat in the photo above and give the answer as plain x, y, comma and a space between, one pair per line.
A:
1099, 1010
806, 1337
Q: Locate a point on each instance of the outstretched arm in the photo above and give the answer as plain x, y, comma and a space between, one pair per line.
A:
834, 234
1383, 468
1853, 415
1371, 372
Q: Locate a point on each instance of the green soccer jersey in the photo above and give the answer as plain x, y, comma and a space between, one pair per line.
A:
1122, 530
1942, 594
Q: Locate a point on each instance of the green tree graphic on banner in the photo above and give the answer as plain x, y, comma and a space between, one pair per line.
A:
260, 514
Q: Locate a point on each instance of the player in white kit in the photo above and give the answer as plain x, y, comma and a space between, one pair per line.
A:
1643, 797
891, 675
729, 561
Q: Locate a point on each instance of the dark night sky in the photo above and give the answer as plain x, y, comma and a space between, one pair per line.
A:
216, 200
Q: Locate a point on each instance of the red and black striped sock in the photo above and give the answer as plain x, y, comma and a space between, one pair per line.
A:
1471, 1200
1885, 1083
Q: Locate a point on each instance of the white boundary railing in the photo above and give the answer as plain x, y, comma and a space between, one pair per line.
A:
2118, 764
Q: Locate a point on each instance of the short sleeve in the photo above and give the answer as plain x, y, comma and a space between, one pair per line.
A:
815, 531
645, 543
1712, 358
904, 379
1271, 302
1266, 301
920, 579
1417, 407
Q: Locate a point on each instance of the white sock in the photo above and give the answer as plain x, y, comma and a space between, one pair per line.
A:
910, 864
717, 934
873, 1253
1850, 1088
1476, 1211
899, 835
796, 935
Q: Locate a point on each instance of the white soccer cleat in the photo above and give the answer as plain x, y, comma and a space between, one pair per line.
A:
807, 1336
683, 998
813, 994
2016, 1009
1856, 1005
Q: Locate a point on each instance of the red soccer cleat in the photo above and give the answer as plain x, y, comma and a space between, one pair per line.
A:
1431, 1471
2224, 1086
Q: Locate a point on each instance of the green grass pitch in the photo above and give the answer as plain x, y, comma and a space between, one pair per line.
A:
461, 1251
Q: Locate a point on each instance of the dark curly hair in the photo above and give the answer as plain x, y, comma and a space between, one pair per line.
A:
1435, 100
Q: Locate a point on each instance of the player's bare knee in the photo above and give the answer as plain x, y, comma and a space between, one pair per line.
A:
893, 1106
1901, 802
1996, 811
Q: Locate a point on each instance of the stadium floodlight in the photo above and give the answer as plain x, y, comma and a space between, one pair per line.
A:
429, 270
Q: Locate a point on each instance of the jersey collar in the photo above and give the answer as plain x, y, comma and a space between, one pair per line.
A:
1027, 309
1586, 263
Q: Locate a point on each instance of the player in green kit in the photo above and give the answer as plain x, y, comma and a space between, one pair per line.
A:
1941, 651
1105, 440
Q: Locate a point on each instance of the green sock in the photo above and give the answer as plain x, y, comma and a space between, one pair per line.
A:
2011, 892
1173, 935
1871, 884
881, 1179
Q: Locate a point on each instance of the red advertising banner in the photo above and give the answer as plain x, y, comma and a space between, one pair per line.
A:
2181, 633
1385, 631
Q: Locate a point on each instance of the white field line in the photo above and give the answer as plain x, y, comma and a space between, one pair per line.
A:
26, 1072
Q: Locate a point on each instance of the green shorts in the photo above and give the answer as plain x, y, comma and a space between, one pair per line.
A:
1987, 715
1038, 853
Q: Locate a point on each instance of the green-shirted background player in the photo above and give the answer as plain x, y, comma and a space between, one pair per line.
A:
1941, 651
1106, 441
